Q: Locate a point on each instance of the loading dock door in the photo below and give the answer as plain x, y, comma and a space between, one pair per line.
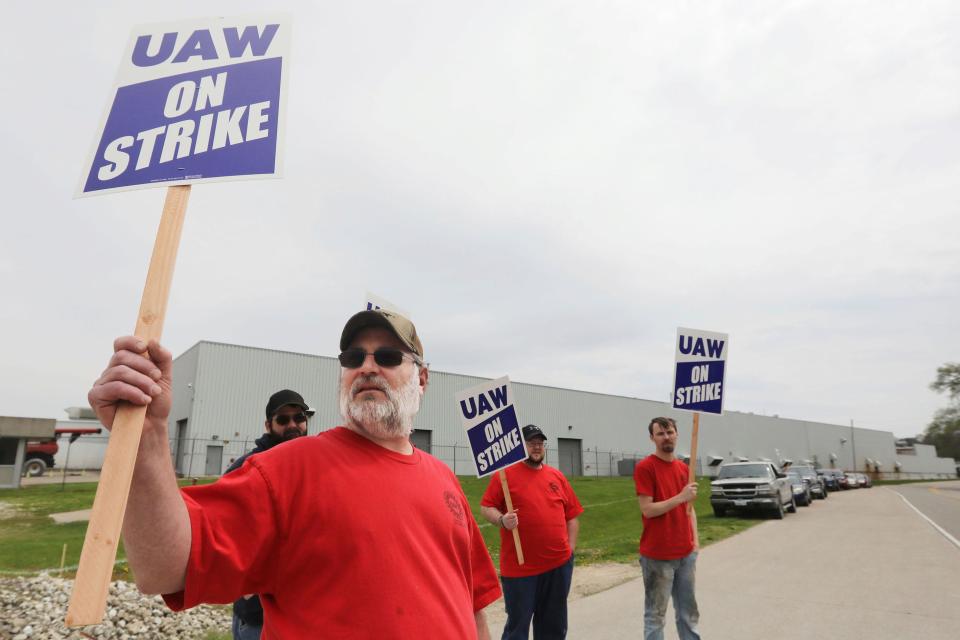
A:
420, 438
180, 451
571, 460
214, 464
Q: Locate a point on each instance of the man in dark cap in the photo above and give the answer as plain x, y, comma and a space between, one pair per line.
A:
536, 590
352, 533
287, 416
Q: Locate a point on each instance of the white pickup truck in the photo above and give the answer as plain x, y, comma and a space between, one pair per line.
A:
752, 485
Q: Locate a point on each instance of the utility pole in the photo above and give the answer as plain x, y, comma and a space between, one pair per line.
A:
853, 444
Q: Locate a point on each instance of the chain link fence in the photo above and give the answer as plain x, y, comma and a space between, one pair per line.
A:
208, 457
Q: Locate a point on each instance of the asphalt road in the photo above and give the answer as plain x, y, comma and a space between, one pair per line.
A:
939, 501
859, 565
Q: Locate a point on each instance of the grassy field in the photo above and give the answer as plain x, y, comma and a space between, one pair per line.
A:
878, 483
609, 530
29, 539
610, 526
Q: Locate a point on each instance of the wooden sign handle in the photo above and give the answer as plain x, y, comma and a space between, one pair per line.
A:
509, 500
692, 464
89, 597
693, 446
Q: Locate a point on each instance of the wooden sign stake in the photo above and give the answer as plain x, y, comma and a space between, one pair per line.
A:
692, 465
509, 501
89, 597
693, 446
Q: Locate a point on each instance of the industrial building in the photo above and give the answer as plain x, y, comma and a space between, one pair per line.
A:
15, 433
220, 391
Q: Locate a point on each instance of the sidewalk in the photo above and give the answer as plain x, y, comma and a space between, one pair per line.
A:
859, 565
55, 476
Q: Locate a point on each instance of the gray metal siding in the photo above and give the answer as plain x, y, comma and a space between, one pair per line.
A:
231, 384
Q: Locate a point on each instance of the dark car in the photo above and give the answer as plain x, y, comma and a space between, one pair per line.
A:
832, 478
817, 488
801, 488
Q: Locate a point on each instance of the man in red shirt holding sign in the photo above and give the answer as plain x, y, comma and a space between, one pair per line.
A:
669, 543
538, 588
352, 533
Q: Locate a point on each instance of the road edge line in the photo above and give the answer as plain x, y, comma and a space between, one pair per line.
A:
940, 529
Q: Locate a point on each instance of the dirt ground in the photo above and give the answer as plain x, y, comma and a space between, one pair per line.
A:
587, 580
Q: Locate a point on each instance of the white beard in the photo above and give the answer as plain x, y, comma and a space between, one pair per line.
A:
382, 419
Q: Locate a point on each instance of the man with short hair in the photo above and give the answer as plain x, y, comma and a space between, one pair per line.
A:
352, 533
537, 590
287, 416
669, 543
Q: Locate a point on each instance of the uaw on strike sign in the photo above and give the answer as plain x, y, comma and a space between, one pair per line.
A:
490, 419
194, 101
701, 358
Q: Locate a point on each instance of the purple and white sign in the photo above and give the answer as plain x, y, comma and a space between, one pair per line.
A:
195, 101
491, 423
698, 374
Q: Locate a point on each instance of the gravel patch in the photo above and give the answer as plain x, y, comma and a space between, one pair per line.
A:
34, 608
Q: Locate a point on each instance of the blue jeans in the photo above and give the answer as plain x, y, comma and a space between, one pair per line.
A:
661, 579
244, 631
541, 598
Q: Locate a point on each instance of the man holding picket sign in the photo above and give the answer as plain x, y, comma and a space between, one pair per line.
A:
353, 533
669, 543
537, 590
194, 101
666, 487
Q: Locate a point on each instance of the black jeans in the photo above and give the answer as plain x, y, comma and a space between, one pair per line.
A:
542, 598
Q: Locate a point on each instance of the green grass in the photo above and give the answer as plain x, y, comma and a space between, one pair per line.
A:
30, 541
609, 527
887, 482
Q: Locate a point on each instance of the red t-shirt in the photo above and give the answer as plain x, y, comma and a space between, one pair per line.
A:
341, 538
544, 501
668, 536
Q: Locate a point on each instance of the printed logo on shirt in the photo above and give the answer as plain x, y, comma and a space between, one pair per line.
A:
555, 488
455, 507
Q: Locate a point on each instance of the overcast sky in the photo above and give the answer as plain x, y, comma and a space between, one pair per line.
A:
550, 188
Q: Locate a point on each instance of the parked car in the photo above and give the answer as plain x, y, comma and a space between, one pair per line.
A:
752, 485
863, 481
852, 480
817, 488
801, 488
830, 478
842, 483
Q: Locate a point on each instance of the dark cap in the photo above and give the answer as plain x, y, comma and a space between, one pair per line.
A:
389, 320
282, 399
532, 431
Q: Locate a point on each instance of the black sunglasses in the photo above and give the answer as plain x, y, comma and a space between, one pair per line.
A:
285, 419
353, 357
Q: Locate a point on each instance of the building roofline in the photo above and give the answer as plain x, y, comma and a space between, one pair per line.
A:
528, 384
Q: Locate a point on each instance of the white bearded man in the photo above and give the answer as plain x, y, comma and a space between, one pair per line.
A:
352, 533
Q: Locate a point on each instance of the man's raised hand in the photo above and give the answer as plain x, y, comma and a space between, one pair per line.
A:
138, 373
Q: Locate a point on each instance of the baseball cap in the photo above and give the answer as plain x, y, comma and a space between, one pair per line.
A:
389, 320
532, 431
284, 397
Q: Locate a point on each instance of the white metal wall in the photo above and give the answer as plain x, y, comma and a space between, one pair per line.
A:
222, 389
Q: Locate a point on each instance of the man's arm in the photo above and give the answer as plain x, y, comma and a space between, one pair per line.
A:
493, 515
651, 509
483, 631
573, 530
156, 525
